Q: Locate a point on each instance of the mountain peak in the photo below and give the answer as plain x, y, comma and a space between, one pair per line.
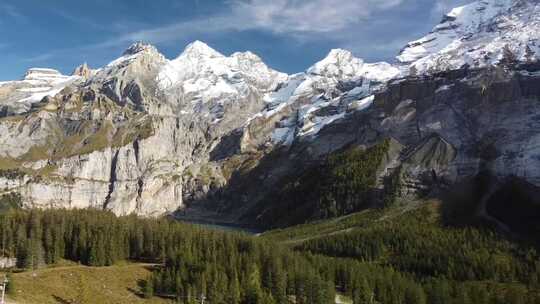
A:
42, 74
339, 53
83, 70
200, 49
137, 50
139, 47
338, 63
477, 34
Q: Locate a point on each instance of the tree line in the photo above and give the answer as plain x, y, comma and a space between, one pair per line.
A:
453, 265
417, 263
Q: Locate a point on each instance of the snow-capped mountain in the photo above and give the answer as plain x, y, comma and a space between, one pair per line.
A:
18, 96
200, 67
208, 80
341, 65
476, 35
323, 94
121, 136
147, 134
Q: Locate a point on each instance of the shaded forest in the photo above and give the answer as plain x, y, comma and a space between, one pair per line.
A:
406, 261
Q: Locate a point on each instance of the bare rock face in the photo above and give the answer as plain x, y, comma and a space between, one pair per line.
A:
115, 138
83, 71
444, 129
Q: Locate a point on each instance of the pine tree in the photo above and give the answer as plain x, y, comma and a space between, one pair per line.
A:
254, 291
266, 298
234, 289
363, 294
10, 287
415, 295
24, 257
147, 289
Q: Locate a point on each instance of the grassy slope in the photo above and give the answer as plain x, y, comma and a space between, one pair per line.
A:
102, 285
81, 284
298, 234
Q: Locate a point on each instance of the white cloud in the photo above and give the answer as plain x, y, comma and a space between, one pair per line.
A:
299, 16
176, 31
340, 23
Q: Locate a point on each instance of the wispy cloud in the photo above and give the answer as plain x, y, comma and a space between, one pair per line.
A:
40, 58
78, 19
299, 19
176, 31
12, 12
297, 16
340, 24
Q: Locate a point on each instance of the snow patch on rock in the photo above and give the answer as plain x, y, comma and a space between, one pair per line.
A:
324, 93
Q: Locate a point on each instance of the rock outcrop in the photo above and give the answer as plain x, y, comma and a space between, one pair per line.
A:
83, 71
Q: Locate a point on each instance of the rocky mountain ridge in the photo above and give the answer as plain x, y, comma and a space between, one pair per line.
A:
180, 110
476, 35
149, 135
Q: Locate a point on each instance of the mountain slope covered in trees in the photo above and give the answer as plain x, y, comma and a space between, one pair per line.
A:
393, 255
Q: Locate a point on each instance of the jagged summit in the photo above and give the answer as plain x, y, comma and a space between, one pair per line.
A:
201, 68
339, 63
309, 101
200, 49
138, 47
342, 64
476, 35
134, 51
83, 70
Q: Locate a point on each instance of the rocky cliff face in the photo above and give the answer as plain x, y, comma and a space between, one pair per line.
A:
206, 131
444, 129
120, 139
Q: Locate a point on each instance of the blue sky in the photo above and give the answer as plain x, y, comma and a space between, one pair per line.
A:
290, 35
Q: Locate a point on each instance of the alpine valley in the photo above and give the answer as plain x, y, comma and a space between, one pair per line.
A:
379, 168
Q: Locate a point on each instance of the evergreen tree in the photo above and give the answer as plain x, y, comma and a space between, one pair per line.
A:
254, 292
363, 294
234, 289
10, 287
147, 289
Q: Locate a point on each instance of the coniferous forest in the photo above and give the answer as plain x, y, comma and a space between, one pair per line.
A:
407, 260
